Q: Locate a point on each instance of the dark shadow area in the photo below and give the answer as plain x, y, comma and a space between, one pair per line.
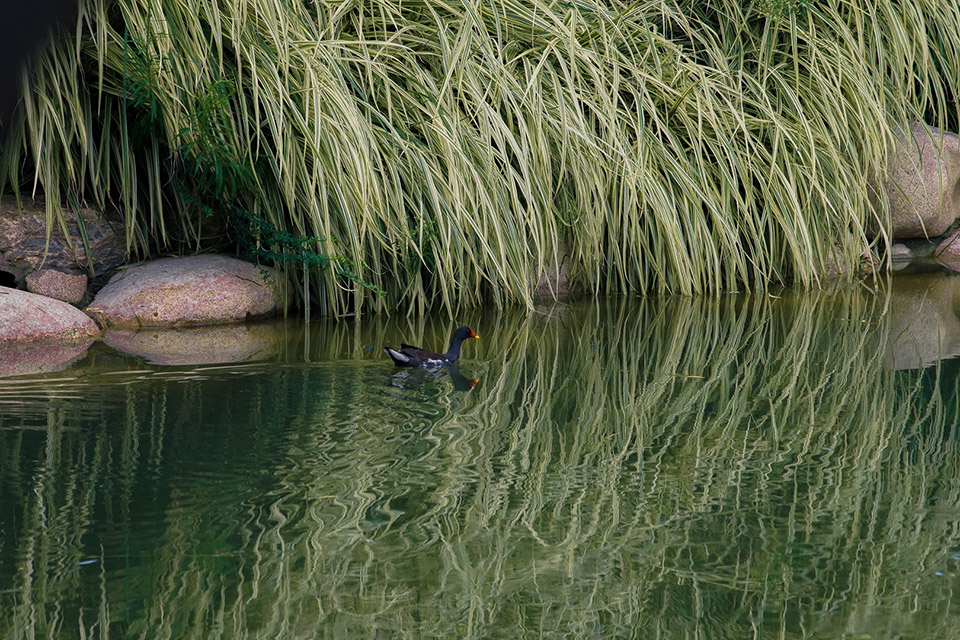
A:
7, 279
24, 26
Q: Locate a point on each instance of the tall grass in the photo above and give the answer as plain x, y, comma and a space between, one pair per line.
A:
447, 153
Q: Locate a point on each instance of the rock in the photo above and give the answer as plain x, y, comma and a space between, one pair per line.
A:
900, 256
27, 317
948, 251
836, 266
833, 264
197, 290
923, 183
201, 345
900, 252
554, 283
23, 239
921, 249
57, 285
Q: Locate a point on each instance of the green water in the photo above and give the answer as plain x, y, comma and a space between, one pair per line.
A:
743, 467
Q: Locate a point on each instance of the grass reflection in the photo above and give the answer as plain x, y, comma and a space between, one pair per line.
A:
731, 467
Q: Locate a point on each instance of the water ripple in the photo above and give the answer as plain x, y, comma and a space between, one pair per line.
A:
638, 469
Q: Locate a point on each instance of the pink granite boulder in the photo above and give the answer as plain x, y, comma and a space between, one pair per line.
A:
66, 287
948, 251
196, 290
923, 183
27, 317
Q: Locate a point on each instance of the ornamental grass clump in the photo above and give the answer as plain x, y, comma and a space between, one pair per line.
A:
434, 153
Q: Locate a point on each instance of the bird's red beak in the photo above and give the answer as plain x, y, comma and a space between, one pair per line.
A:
473, 335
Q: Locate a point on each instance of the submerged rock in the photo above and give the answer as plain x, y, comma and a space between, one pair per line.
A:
923, 183
27, 317
196, 290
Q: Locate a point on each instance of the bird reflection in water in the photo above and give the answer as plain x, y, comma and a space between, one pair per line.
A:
412, 378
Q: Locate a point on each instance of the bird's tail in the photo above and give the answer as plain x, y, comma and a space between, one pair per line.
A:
396, 356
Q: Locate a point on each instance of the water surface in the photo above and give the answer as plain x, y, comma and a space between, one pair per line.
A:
749, 466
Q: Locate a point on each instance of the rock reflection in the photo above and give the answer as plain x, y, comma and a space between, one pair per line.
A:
924, 326
19, 359
202, 345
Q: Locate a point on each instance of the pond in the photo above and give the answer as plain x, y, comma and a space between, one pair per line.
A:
744, 466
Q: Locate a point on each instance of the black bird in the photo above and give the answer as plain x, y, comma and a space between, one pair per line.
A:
408, 356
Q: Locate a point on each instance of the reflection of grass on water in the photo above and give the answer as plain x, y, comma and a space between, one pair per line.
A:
732, 467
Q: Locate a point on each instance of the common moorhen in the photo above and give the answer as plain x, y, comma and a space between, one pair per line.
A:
408, 356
